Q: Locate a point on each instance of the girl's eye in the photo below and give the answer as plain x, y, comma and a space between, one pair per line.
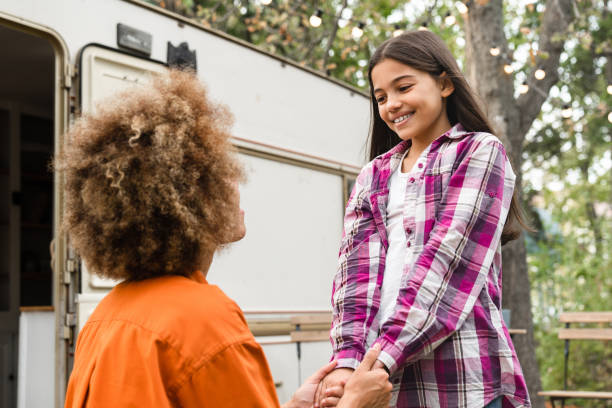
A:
404, 88
380, 99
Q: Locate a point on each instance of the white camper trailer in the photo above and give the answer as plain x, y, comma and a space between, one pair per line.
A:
300, 134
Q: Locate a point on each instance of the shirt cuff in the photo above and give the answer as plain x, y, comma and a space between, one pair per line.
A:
389, 355
348, 359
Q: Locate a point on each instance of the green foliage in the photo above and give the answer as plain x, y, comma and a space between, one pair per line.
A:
570, 188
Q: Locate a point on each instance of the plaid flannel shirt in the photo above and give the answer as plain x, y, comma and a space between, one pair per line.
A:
446, 343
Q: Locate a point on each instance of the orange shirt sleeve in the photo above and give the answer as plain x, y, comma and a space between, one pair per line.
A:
237, 376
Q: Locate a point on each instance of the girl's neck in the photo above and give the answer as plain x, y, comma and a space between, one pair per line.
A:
420, 143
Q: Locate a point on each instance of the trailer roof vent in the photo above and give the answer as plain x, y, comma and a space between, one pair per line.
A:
181, 56
134, 39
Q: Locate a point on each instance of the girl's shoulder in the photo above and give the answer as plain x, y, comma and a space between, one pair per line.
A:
474, 138
470, 142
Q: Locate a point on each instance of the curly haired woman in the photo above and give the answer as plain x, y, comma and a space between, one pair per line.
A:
151, 194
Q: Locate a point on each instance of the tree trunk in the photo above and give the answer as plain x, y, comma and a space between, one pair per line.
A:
512, 118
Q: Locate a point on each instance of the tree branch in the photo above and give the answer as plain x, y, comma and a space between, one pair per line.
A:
558, 16
332, 35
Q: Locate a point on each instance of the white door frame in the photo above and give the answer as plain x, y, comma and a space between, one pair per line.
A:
61, 277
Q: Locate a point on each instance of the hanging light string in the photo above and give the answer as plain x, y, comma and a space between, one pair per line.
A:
317, 16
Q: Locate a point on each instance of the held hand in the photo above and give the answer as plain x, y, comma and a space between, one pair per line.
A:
304, 396
330, 390
368, 386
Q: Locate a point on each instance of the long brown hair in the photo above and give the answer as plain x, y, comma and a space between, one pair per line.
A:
425, 51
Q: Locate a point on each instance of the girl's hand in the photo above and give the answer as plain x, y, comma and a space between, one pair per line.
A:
332, 396
368, 387
334, 382
304, 396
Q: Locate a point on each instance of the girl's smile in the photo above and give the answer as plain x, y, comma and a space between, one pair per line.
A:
411, 102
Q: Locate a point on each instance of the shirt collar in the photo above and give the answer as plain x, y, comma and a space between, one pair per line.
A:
457, 131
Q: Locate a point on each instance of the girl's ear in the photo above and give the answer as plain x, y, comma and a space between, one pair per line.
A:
446, 84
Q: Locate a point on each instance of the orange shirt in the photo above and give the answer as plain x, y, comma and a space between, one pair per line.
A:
169, 341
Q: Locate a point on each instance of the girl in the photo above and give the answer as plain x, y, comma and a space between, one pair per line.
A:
420, 260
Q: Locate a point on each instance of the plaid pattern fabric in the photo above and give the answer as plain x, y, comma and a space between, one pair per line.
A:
446, 344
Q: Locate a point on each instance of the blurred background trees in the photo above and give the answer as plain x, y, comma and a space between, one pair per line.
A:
544, 72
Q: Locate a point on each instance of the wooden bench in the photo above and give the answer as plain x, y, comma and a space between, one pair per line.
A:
567, 334
301, 327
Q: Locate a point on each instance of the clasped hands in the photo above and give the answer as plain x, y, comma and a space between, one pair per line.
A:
367, 386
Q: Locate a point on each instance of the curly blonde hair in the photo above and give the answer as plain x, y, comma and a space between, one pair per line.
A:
148, 180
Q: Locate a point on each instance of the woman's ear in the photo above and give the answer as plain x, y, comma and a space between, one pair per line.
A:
447, 86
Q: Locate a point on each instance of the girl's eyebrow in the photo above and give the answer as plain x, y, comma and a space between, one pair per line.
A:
399, 78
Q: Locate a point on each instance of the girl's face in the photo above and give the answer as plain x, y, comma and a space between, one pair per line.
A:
410, 101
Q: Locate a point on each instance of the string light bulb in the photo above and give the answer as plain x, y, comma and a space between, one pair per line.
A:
315, 20
610, 117
508, 69
567, 111
449, 19
494, 51
397, 30
540, 74
423, 27
524, 88
266, 2
357, 31
463, 9
609, 89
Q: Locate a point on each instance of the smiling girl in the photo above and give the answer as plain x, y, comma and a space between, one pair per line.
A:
420, 260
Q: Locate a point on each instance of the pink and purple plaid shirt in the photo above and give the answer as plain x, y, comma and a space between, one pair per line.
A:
446, 344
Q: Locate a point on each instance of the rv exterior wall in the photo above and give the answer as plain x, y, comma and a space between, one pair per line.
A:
274, 103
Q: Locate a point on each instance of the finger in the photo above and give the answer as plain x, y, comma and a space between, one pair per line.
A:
335, 391
317, 396
369, 359
321, 373
330, 402
378, 364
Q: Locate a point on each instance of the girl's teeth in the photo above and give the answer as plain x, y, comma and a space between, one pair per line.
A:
398, 120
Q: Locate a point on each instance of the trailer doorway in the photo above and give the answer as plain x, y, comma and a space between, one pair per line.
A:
27, 94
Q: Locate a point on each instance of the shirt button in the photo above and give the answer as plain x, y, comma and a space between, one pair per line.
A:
408, 244
420, 165
412, 179
409, 231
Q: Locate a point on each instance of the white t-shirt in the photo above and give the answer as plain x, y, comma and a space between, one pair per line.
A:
402, 199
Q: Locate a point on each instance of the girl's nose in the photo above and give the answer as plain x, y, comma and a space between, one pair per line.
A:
393, 104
